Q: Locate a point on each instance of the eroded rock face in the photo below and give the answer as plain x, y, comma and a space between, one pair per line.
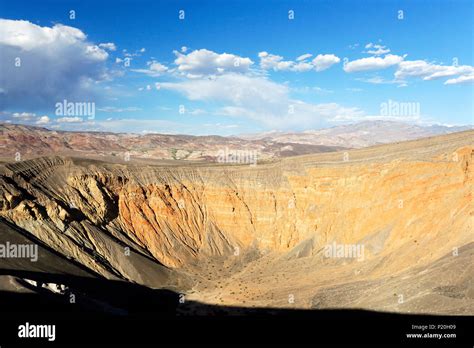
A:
410, 203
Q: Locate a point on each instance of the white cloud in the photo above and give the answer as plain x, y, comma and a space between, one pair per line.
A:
274, 62
460, 79
56, 63
69, 120
116, 109
137, 53
29, 36
372, 63
304, 57
376, 49
378, 80
363, 117
259, 99
322, 90
235, 88
202, 62
196, 112
315, 89
302, 67
108, 46
325, 61
157, 67
43, 120
159, 126
271, 61
25, 116
96, 52
154, 69
429, 71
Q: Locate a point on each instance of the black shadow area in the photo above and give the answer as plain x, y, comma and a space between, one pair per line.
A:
122, 313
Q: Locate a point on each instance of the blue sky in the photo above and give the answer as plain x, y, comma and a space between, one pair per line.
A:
230, 67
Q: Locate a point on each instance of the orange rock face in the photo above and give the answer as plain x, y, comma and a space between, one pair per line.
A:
403, 204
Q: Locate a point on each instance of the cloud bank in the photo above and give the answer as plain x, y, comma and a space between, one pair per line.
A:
42, 65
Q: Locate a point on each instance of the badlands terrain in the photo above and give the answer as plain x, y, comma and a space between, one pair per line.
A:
30, 142
236, 235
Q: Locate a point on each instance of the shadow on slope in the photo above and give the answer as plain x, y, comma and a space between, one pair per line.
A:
45, 293
118, 312
37, 292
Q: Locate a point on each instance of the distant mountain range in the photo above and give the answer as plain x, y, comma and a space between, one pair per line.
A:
31, 141
358, 135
